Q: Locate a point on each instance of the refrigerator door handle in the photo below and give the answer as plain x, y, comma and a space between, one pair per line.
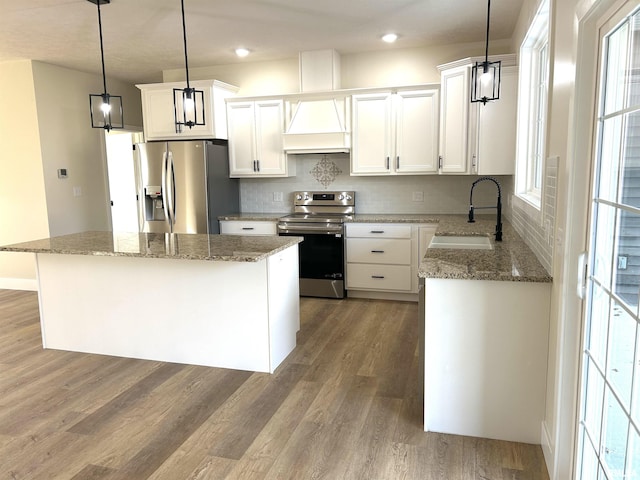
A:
171, 183
165, 190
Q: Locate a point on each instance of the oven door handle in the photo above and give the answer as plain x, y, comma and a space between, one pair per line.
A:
308, 229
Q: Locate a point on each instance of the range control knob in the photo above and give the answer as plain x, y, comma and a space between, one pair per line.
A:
341, 197
306, 197
349, 197
298, 197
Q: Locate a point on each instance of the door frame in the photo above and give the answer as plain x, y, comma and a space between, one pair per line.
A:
590, 15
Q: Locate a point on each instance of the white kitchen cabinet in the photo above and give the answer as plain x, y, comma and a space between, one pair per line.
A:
493, 127
383, 259
469, 132
158, 114
255, 139
395, 132
485, 357
248, 227
454, 119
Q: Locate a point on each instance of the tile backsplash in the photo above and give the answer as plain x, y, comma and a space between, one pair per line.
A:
374, 194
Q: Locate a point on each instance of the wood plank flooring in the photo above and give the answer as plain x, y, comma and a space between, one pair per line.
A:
344, 405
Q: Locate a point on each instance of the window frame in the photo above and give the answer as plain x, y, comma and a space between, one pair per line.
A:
533, 101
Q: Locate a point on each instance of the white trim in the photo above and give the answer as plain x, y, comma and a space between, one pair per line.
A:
30, 284
546, 444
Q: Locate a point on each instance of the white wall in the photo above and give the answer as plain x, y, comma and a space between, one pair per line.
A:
23, 209
45, 125
68, 141
390, 67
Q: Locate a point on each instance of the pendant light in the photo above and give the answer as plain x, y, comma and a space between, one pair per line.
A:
187, 102
485, 76
106, 110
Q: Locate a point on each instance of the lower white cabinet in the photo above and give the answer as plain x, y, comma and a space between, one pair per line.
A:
383, 258
248, 227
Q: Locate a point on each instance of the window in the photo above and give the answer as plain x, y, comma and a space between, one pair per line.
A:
532, 108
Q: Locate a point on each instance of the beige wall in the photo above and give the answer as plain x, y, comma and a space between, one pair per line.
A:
392, 67
44, 126
70, 142
23, 209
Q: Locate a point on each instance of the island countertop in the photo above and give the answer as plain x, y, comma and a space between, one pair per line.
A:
226, 248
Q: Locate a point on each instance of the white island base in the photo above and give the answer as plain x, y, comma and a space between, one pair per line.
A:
239, 315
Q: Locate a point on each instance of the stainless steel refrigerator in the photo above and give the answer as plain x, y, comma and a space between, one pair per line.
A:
183, 186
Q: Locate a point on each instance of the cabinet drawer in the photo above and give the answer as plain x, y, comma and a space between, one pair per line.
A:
378, 230
234, 227
378, 277
379, 250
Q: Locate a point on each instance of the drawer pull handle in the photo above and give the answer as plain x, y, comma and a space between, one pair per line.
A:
247, 228
377, 251
377, 276
377, 231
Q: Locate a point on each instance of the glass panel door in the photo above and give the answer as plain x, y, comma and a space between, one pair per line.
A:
609, 439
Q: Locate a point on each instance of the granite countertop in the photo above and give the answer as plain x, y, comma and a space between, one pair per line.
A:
226, 248
509, 260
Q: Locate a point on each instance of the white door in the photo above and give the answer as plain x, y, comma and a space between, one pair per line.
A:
609, 413
122, 181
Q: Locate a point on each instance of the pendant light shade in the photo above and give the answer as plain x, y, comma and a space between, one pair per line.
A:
105, 109
485, 76
188, 103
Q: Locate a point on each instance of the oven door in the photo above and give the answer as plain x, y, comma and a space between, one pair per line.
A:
321, 262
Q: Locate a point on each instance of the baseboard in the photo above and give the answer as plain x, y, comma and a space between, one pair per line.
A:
19, 284
403, 297
547, 449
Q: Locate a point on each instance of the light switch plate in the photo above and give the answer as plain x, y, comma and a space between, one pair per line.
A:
277, 196
418, 196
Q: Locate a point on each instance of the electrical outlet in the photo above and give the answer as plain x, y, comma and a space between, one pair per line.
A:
418, 196
77, 191
277, 197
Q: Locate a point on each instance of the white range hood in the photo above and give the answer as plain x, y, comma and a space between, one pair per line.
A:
319, 119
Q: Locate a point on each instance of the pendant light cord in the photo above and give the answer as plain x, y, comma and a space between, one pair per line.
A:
486, 51
104, 75
184, 36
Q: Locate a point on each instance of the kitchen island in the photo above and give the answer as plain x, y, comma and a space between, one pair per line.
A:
215, 300
485, 341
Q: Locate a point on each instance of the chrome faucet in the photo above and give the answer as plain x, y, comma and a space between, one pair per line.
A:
498, 206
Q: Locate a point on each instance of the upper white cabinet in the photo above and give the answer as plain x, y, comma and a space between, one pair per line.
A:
493, 147
255, 139
475, 138
395, 132
158, 111
454, 119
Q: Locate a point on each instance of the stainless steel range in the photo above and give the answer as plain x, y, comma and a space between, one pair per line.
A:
319, 217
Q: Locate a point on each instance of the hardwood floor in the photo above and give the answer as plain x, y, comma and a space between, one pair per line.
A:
344, 405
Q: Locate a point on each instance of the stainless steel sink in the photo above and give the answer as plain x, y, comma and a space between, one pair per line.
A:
466, 242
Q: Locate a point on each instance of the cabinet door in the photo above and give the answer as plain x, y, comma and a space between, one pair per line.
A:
371, 140
497, 120
240, 122
159, 117
454, 117
269, 127
416, 132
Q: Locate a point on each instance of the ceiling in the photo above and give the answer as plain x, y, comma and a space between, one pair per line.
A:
144, 37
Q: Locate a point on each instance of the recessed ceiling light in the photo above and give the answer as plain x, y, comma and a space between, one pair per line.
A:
242, 52
389, 37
